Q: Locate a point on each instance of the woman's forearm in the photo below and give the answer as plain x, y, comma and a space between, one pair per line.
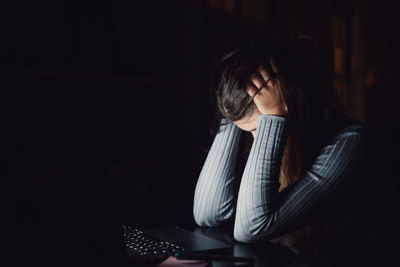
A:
214, 201
263, 212
260, 182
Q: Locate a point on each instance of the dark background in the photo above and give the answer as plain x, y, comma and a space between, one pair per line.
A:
130, 78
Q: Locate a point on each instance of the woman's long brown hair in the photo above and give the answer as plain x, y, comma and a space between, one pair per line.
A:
291, 168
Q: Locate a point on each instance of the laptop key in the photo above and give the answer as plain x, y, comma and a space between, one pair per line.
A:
137, 243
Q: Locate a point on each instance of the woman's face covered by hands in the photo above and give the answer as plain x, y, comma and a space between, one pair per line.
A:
267, 99
249, 122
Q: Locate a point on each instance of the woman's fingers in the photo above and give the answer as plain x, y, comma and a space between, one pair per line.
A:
260, 79
264, 73
257, 80
252, 90
265, 95
257, 84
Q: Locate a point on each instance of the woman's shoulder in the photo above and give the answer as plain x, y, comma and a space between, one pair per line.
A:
351, 128
342, 127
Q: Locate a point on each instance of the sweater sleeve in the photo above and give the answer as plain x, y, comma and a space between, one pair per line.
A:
264, 213
214, 201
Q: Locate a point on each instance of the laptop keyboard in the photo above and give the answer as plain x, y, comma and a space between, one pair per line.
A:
138, 243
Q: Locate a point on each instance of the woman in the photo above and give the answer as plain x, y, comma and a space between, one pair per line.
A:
305, 182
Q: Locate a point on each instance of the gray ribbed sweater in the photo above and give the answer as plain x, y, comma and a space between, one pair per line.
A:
261, 212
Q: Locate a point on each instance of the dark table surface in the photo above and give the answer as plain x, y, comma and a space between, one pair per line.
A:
266, 254
263, 253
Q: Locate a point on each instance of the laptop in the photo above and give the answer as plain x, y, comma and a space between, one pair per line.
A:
167, 241
81, 221
73, 219
188, 240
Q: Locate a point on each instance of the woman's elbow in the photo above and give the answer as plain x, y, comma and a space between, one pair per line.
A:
248, 232
200, 220
210, 218
205, 218
244, 234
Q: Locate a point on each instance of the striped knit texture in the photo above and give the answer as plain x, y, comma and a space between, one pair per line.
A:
261, 211
213, 198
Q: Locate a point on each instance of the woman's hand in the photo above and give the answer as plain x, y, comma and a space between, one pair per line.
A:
266, 94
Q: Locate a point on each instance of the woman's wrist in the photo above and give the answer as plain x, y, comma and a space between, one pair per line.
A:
272, 117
